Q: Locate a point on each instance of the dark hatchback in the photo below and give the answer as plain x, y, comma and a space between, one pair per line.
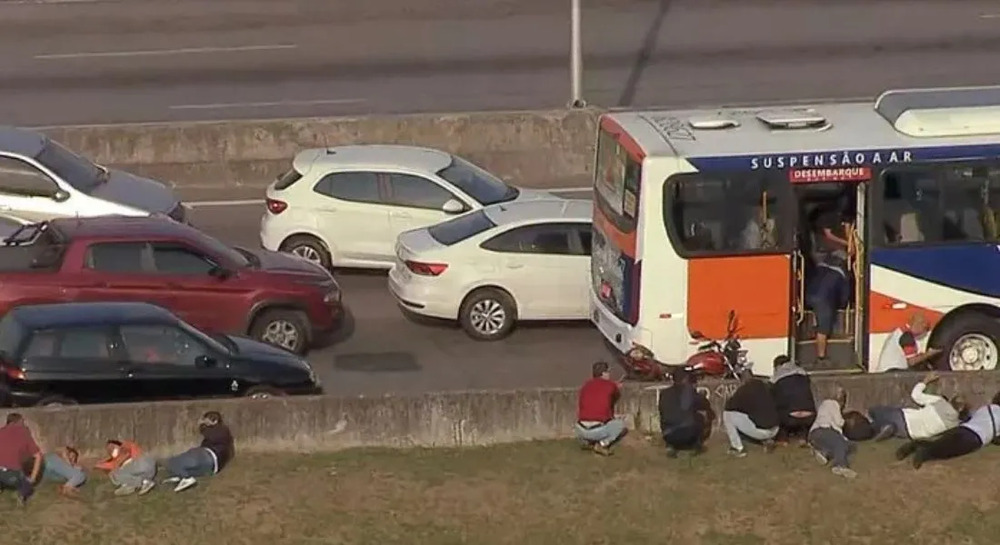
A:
68, 353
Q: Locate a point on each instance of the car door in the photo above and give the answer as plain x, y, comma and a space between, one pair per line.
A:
168, 363
79, 364
119, 271
353, 215
416, 202
28, 192
535, 261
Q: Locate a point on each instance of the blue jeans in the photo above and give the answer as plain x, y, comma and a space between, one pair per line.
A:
829, 290
196, 462
15, 479
737, 424
59, 470
889, 416
605, 434
832, 444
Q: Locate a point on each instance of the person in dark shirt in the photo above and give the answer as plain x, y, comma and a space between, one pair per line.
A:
596, 424
17, 446
829, 283
686, 416
750, 412
208, 458
793, 397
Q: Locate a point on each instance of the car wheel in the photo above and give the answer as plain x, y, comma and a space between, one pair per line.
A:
288, 329
55, 402
488, 314
263, 392
309, 248
970, 343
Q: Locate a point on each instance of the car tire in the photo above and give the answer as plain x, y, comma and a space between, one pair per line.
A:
287, 329
263, 392
55, 402
488, 314
310, 248
969, 343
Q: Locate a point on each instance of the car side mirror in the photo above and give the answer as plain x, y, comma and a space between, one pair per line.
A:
204, 361
60, 196
453, 206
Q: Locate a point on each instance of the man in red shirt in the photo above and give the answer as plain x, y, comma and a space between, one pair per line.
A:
595, 418
16, 446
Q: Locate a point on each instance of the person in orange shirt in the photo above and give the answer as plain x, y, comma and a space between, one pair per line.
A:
128, 468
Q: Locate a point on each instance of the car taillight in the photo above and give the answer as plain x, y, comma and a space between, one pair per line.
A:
11, 372
426, 269
275, 206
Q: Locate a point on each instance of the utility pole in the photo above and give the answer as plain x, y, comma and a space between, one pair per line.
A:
576, 57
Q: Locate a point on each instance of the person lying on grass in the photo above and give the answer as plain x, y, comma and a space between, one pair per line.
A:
210, 457
63, 466
826, 437
128, 467
935, 416
981, 429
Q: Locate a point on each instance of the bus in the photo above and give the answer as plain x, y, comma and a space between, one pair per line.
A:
701, 212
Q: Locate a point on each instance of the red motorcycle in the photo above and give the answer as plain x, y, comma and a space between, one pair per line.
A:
725, 358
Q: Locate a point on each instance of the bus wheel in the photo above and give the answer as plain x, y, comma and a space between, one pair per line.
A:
971, 344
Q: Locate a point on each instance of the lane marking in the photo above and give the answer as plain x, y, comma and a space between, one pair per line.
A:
224, 105
990, 16
163, 52
568, 190
248, 202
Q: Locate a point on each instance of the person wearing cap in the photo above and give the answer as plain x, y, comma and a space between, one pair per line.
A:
686, 416
900, 351
750, 412
793, 397
596, 423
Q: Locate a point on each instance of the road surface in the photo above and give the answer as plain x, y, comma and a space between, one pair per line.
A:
113, 61
386, 353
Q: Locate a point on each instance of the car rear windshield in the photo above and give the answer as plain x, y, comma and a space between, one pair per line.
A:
461, 228
287, 179
477, 183
73, 169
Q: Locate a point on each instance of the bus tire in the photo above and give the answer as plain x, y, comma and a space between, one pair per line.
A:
969, 343
488, 314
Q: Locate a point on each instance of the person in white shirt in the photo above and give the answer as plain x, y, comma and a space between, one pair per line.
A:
935, 416
826, 436
981, 429
900, 351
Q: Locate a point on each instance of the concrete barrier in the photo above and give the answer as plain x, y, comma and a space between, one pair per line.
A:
544, 149
451, 419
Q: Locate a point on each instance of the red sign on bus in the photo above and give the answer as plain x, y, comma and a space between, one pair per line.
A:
836, 174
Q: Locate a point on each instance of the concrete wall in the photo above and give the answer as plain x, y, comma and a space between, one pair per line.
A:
432, 420
544, 149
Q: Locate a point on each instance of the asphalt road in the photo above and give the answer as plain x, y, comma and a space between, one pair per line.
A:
386, 353
122, 61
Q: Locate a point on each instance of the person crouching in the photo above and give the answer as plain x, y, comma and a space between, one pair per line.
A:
686, 416
750, 412
793, 396
595, 418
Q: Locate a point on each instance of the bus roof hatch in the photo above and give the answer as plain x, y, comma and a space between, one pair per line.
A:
941, 113
792, 119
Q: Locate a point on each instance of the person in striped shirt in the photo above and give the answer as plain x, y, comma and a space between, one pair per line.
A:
981, 429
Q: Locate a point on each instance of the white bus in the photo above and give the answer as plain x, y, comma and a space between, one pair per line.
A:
699, 212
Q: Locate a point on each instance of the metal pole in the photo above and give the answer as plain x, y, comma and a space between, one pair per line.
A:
576, 57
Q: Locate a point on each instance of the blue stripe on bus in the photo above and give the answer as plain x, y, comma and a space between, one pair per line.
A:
842, 158
971, 268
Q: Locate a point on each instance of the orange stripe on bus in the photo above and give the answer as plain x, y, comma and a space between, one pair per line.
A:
625, 242
623, 138
883, 318
756, 287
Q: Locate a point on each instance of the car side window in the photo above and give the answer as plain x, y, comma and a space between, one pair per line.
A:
417, 192
552, 239
350, 186
161, 344
84, 343
586, 235
179, 259
116, 257
24, 180
41, 345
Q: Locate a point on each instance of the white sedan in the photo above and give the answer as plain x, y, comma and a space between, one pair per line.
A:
491, 268
344, 206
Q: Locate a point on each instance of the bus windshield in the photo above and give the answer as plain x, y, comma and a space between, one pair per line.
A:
616, 180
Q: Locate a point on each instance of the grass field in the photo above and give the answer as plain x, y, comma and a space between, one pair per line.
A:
536, 493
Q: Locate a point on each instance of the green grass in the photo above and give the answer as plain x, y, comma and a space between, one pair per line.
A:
544, 493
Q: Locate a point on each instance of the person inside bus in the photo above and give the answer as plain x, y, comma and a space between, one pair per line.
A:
686, 415
979, 430
828, 290
900, 351
793, 396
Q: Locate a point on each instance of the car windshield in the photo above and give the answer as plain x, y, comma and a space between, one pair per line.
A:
458, 229
477, 183
70, 167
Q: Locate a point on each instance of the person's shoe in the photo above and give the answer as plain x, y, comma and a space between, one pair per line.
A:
919, 458
844, 472
885, 433
904, 451
698, 450
147, 485
171, 480
185, 483
737, 452
671, 452
769, 446
820, 457
124, 490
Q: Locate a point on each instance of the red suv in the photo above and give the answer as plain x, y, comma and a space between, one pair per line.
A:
273, 297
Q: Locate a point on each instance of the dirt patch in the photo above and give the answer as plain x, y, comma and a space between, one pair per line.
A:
548, 492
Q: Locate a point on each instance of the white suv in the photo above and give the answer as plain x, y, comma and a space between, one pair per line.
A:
345, 206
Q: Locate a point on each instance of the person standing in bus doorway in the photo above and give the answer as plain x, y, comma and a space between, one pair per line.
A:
900, 351
596, 423
830, 282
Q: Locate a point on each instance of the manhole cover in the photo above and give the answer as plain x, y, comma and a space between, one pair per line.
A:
379, 362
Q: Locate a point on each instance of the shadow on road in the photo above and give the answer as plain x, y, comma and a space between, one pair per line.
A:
645, 53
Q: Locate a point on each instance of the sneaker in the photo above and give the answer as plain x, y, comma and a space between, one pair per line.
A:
671, 452
845, 472
885, 433
171, 480
905, 450
598, 448
738, 453
147, 485
769, 446
124, 490
185, 483
820, 457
